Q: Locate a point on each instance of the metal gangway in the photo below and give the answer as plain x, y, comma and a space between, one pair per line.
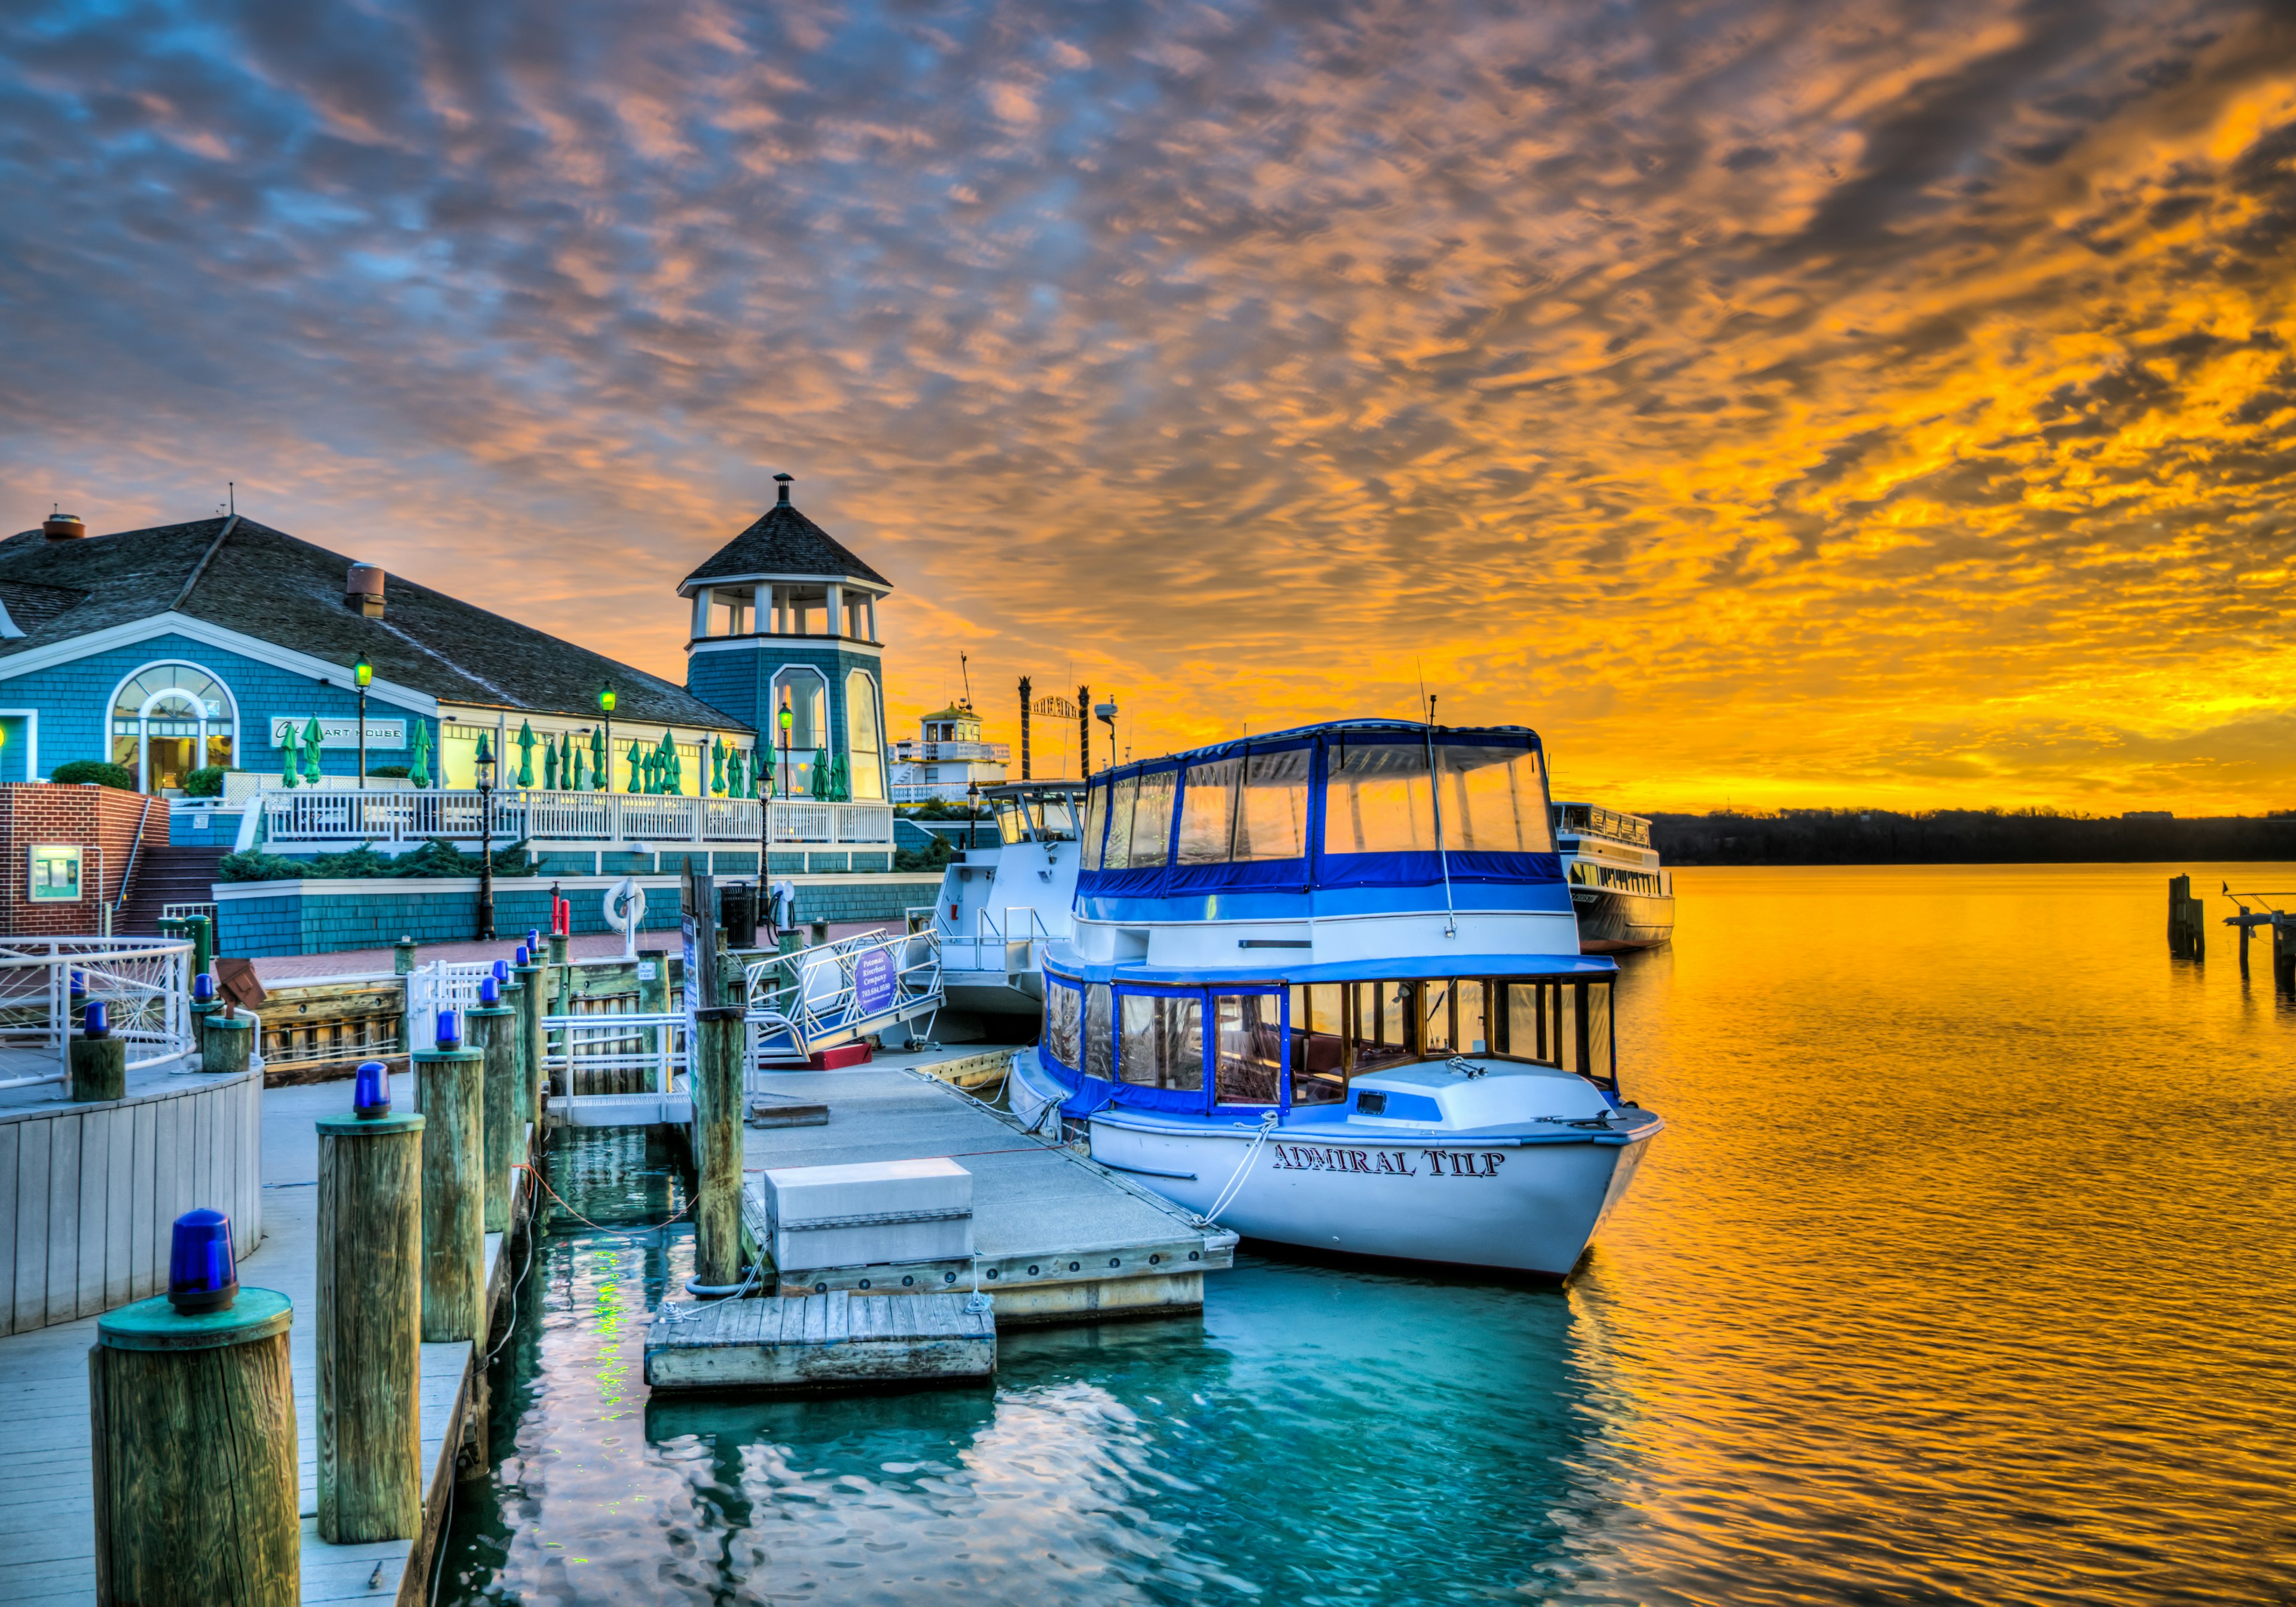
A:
811, 999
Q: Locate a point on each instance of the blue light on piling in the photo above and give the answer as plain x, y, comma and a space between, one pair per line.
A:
489, 992
99, 1021
371, 1091
203, 989
534, 939
201, 1274
80, 984
450, 1030
523, 957
502, 972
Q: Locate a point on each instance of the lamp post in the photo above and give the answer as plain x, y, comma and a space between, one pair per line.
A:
787, 717
606, 707
971, 811
483, 763
362, 672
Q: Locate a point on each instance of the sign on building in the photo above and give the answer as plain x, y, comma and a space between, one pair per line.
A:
55, 872
339, 734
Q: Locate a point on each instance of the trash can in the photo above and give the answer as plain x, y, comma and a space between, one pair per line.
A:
737, 913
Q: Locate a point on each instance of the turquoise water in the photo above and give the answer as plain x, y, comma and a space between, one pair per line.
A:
1961, 1274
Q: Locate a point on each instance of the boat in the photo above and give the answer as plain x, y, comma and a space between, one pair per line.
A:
1624, 899
1002, 902
1325, 988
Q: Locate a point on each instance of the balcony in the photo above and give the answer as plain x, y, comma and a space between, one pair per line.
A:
330, 819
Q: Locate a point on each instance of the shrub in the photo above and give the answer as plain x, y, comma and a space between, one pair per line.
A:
388, 771
934, 857
434, 858
100, 771
206, 781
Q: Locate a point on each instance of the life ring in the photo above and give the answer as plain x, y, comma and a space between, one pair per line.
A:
625, 909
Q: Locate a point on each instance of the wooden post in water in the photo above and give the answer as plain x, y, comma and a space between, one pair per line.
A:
562, 1002
369, 1313
513, 994
226, 1040
450, 1088
2283, 955
494, 1033
716, 1086
99, 1068
531, 980
192, 1425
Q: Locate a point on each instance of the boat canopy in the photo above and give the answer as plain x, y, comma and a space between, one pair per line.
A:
1360, 803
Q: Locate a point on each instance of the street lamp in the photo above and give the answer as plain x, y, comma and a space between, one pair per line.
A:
788, 718
362, 672
483, 763
606, 707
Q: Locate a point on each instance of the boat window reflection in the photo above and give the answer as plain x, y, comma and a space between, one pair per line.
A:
1096, 825
1494, 799
1119, 824
1152, 818
1272, 822
1379, 800
1099, 1034
1208, 812
1163, 1042
1249, 1030
1064, 1023
1319, 1075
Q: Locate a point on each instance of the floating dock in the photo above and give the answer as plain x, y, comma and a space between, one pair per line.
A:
820, 1341
1055, 1238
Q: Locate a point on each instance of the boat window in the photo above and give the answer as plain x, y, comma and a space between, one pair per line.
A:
1096, 825
1163, 1042
1378, 801
1120, 824
1063, 1021
1319, 1073
1436, 1000
1248, 1045
1378, 1031
1494, 801
1208, 812
1099, 1033
1011, 823
1055, 817
1532, 1024
1469, 1032
1597, 1057
1272, 815
1151, 819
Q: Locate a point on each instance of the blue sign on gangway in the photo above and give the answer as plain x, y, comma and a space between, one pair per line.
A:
873, 982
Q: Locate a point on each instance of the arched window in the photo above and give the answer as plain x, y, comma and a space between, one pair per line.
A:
170, 719
805, 692
865, 763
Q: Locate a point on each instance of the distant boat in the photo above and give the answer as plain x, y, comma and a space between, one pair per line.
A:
1000, 903
1623, 898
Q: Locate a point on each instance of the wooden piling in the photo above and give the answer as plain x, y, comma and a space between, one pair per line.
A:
561, 996
531, 980
522, 1085
369, 1314
192, 1422
450, 1086
494, 1032
99, 1069
226, 1040
2284, 955
717, 1084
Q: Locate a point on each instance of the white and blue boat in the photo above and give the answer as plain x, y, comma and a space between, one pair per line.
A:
1325, 987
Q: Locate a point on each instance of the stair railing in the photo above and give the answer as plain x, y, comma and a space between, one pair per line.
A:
127, 876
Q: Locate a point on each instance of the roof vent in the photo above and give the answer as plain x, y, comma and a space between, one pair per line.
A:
783, 481
62, 527
363, 590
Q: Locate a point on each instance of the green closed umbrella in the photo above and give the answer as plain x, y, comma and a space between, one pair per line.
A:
717, 768
312, 737
290, 756
599, 778
526, 753
418, 772
638, 764
550, 765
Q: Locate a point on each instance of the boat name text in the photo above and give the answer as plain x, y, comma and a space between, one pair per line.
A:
1391, 1163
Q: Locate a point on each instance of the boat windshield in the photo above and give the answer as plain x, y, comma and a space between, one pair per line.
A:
1304, 1044
1046, 817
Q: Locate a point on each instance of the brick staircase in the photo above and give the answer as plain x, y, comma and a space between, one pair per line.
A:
166, 874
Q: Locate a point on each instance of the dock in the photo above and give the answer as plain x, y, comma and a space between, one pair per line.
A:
816, 1342
47, 1524
1056, 1238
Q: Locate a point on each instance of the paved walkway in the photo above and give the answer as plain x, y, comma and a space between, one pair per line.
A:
48, 1533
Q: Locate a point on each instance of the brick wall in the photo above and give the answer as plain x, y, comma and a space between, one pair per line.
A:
100, 820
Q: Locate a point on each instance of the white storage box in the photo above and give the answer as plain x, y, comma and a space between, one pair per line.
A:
868, 1215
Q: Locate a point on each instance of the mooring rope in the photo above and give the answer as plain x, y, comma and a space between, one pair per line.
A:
1210, 1218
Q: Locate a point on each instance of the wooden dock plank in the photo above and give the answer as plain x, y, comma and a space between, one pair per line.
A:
816, 1342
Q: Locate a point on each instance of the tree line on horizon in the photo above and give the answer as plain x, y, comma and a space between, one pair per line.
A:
1965, 837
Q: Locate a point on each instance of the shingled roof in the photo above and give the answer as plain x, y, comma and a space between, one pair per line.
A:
784, 542
268, 585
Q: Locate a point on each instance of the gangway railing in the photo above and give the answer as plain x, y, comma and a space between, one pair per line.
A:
1011, 949
589, 1047
143, 982
811, 999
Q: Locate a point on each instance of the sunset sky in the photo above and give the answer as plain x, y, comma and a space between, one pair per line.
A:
1773, 403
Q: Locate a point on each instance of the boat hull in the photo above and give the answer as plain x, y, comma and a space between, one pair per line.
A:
1612, 921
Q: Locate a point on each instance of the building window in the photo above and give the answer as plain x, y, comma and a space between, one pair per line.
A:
806, 693
864, 768
168, 720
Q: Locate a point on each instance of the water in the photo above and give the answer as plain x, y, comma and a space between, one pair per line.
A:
1960, 1275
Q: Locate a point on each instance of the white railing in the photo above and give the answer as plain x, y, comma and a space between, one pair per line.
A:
834, 993
143, 982
1011, 949
441, 985
595, 819
185, 912
580, 1045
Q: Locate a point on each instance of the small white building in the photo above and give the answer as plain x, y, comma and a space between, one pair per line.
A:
947, 759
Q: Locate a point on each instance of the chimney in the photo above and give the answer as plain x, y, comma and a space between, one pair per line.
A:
363, 590
783, 481
62, 527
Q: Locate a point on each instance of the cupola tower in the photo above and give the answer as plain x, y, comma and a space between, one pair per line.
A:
785, 639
